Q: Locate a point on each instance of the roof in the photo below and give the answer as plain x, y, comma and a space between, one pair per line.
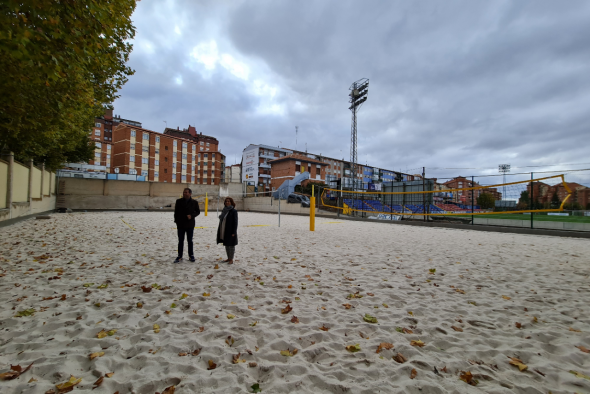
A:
296, 156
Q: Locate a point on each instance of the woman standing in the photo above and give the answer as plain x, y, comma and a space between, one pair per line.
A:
227, 232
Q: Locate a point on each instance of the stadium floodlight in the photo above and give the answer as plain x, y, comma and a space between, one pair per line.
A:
503, 169
358, 95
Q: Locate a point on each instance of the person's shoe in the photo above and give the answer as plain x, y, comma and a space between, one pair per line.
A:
191, 259
178, 259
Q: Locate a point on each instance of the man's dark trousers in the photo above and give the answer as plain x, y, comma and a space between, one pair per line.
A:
189, 239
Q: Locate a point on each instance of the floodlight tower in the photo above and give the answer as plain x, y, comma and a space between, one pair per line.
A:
503, 169
358, 95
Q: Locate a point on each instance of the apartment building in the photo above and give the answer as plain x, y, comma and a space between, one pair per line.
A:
256, 166
165, 157
464, 196
289, 166
233, 173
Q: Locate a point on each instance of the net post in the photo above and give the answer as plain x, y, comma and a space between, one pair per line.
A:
206, 204
423, 196
312, 211
472, 183
532, 188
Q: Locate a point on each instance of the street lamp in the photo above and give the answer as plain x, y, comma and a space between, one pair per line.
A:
503, 169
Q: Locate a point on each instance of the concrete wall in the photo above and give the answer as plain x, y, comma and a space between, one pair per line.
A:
269, 204
89, 194
536, 224
17, 197
20, 186
3, 184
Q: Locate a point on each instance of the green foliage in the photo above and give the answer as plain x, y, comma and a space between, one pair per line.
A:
307, 188
524, 200
62, 63
555, 202
486, 201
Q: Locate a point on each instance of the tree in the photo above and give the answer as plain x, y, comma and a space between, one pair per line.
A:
62, 63
486, 201
555, 202
523, 201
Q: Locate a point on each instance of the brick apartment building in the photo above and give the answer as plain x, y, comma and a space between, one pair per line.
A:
464, 196
289, 166
543, 193
176, 156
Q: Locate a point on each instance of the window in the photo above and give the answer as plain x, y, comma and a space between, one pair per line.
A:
132, 146
157, 139
207, 144
108, 156
184, 145
184, 166
97, 132
133, 133
146, 136
144, 160
157, 151
213, 156
201, 148
106, 138
157, 162
204, 172
97, 154
165, 159
205, 155
165, 148
173, 177
165, 170
108, 164
202, 143
194, 179
174, 165
194, 158
174, 143
193, 168
108, 147
184, 155
183, 178
194, 148
97, 125
144, 173
198, 164
156, 174
98, 144
144, 149
132, 159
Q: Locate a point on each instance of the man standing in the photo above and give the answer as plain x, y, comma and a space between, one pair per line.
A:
185, 212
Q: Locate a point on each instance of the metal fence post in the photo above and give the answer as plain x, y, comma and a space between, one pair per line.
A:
531, 204
472, 183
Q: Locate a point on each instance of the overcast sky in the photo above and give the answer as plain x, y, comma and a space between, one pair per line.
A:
453, 84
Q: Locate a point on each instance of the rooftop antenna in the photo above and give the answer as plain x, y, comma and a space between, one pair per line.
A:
166, 123
296, 130
306, 147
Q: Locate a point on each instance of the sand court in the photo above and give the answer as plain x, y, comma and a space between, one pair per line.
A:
354, 307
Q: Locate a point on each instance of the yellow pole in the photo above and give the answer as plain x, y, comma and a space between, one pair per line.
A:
312, 211
206, 203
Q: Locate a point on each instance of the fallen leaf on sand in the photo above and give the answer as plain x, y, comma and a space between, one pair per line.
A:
212, 365
400, 358
108, 375
216, 267
182, 354
251, 308
457, 328
102, 334
418, 343
209, 276
369, 319
169, 390
413, 373
206, 294
201, 329
290, 287
518, 363
580, 375
286, 310
407, 331
252, 364
534, 319
294, 319
32, 380
289, 353
385, 305
347, 306
139, 305
506, 297
156, 328
518, 325
146, 289
255, 387
26, 312
410, 313
236, 359
371, 294
467, 377
98, 382
353, 348
196, 352
64, 387
574, 330
16, 371
95, 355
324, 328
253, 324
183, 296
384, 345
355, 295
582, 348
230, 316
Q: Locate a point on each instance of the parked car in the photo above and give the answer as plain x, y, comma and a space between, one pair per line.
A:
298, 199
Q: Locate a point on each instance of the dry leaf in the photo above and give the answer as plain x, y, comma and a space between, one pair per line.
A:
371, 294
169, 390
457, 328
98, 382
251, 308
418, 343
287, 309
518, 363
518, 325
16, 371
467, 377
95, 355
196, 352
101, 334
400, 358
353, 348
290, 287
230, 316
206, 294
289, 353
506, 297
209, 276
413, 373
407, 330
67, 386
324, 328
582, 348
182, 354
580, 375
156, 328
252, 364
384, 345
216, 267
108, 375
574, 330
294, 319
236, 359
212, 365
347, 306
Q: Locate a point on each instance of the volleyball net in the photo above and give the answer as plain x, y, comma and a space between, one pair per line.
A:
427, 198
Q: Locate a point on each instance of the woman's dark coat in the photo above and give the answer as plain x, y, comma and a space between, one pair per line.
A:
231, 227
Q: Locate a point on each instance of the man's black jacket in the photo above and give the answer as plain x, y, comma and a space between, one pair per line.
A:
182, 209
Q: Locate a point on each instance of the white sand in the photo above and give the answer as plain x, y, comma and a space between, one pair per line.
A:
549, 276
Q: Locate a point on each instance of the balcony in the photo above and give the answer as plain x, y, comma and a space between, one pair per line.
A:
264, 165
264, 175
267, 156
